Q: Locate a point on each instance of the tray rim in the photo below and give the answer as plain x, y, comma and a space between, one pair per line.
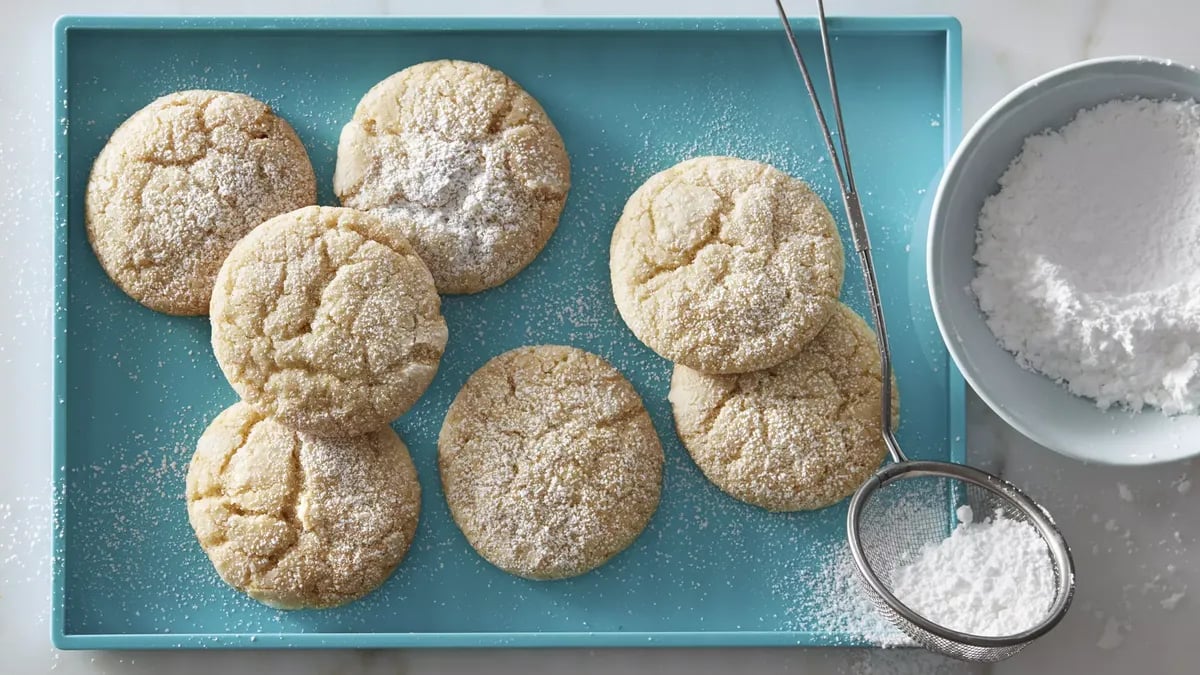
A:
64, 25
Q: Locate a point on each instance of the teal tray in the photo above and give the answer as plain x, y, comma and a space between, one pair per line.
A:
134, 389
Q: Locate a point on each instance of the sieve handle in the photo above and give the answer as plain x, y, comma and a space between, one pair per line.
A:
854, 212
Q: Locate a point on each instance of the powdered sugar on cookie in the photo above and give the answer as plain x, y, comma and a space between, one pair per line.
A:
464, 163
327, 320
459, 191
180, 182
725, 265
549, 462
301, 521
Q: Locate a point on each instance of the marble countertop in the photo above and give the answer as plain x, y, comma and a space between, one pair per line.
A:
1134, 531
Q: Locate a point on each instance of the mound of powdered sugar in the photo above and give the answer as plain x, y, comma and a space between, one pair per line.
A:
1089, 255
991, 577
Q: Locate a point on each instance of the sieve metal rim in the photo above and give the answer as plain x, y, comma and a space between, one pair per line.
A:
1040, 519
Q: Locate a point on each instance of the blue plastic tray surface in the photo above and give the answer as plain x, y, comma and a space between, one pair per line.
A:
134, 389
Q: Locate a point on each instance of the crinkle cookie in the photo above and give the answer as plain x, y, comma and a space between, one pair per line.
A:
296, 521
464, 163
549, 462
725, 265
327, 320
801, 435
180, 182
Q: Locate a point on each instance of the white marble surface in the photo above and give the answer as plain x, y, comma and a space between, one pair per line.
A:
1133, 554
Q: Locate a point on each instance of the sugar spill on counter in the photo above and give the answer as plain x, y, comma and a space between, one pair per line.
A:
1089, 255
991, 577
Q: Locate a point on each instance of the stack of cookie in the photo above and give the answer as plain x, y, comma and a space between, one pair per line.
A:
732, 270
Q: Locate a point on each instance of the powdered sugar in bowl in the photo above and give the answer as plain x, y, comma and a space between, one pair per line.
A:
1122, 338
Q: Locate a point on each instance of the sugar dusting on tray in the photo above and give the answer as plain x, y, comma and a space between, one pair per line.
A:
842, 607
1089, 263
829, 595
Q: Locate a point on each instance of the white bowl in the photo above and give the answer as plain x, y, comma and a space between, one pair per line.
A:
1033, 404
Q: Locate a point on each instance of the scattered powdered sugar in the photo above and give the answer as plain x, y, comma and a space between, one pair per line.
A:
1172, 601
906, 662
25, 527
833, 600
841, 606
1112, 637
1088, 266
27, 523
1124, 492
992, 577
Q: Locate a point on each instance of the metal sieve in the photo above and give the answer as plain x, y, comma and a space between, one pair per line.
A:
881, 536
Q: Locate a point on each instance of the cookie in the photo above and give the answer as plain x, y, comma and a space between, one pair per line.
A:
297, 521
180, 182
725, 265
328, 321
549, 462
801, 435
464, 163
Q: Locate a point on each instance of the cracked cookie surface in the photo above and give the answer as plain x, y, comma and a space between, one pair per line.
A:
327, 320
296, 521
180, 182
725, 265
801, 435
549, 462
464, 163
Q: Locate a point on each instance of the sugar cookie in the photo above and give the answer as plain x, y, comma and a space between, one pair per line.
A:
464, 163
180, 182
801, 435
327, 320
725, 265
549, 462
296, 521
